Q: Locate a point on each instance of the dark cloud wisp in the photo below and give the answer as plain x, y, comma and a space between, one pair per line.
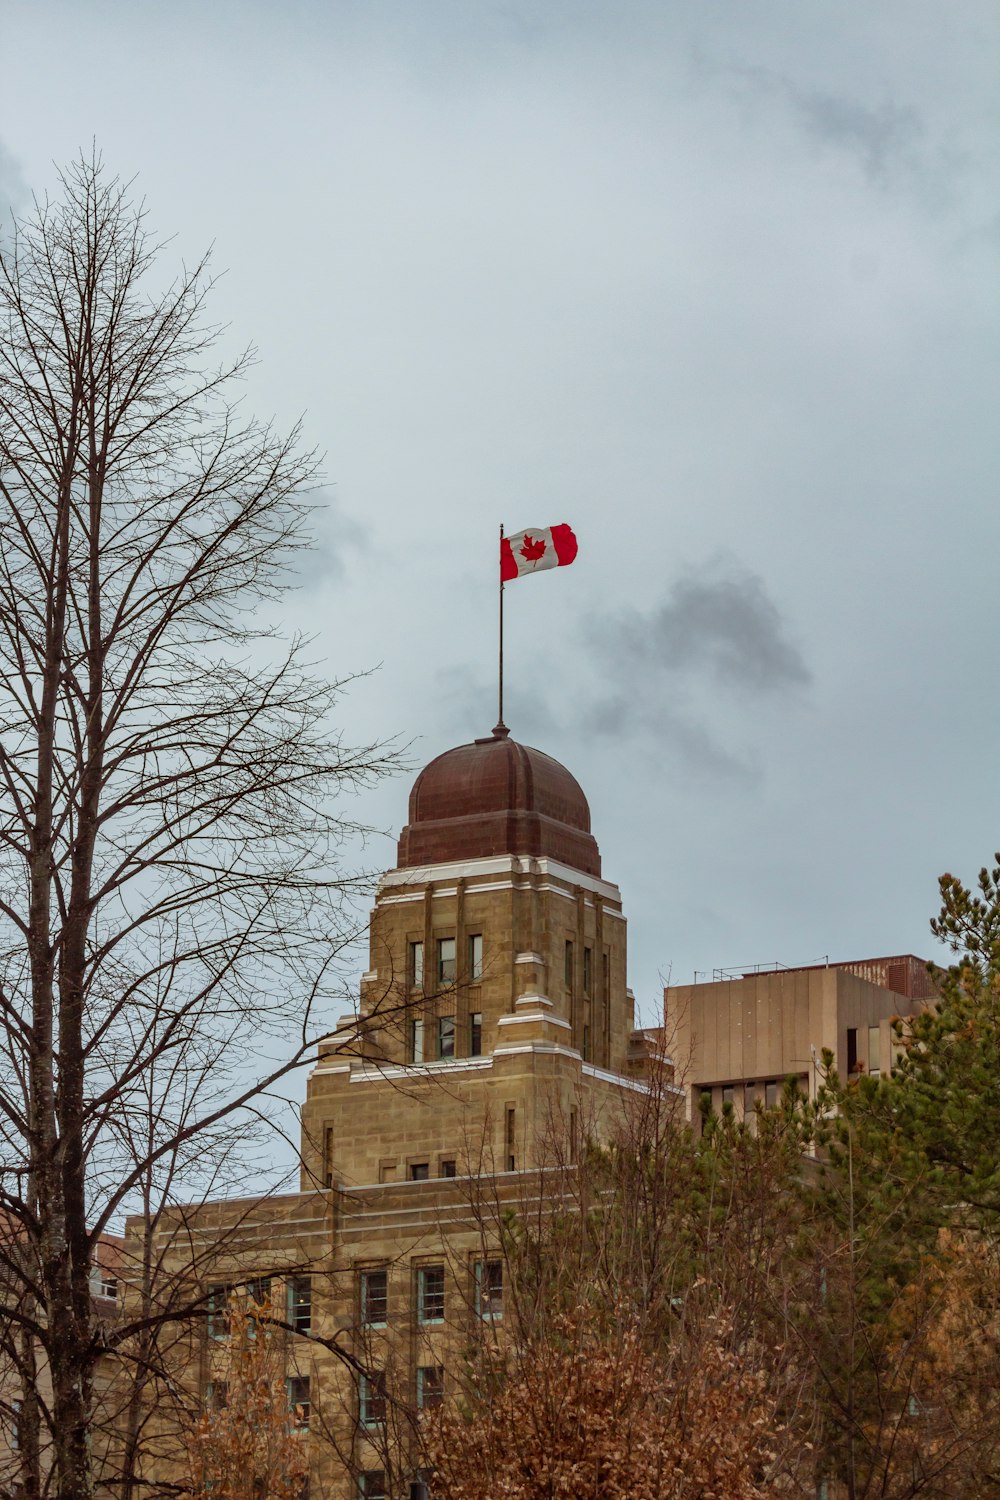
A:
13, 192
886, 138
334, 536
685, 671
725, 625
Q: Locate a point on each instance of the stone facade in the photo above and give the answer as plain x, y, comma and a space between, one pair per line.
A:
494, 1032
495, 985
494, 1029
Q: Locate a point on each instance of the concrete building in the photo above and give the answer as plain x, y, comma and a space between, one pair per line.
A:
738, 1037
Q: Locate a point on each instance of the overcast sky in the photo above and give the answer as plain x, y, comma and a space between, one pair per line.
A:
714, 281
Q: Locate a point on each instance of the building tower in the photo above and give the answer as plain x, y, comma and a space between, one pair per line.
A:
497, 969
494, 1027
494, 1020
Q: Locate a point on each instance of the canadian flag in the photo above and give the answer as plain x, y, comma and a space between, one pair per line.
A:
535, 549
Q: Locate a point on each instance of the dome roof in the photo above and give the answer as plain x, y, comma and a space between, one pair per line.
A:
497, 797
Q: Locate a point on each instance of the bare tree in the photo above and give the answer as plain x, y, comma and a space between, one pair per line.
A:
170, 908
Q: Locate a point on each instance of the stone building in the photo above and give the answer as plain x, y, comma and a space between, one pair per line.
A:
495, 1029
495, 1026
105, 1289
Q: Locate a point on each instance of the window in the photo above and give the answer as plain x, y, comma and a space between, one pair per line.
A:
586, 1044
475, 957
588, 966
419, 1171
416, 1041
415, 973
771, 1094
374, 1298
103, 1283
509, 1138
489, 1288
217, 1395
328, 1156
299, 1289
568, 965
446, 960
298, 1400
259, 1290
898, 1043
372, 1398
606, 973
257, 1294
476, 1033
448, 1168
874, 1039
430, 1294
218, 1311
371, 1484
749, 1100
852, 1049
430, 1386
727, 1097
446, 1036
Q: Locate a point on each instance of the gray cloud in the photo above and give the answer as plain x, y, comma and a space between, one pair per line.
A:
717, 628
13, 192
722, 623
883, 137
680, 675
335, 536
889, 140
467, 708
671, 734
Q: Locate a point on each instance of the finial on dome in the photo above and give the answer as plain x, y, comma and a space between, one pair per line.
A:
500, 731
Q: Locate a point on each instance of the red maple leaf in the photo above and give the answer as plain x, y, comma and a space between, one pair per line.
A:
532, 551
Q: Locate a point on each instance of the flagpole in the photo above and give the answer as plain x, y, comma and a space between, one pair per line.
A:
500, 722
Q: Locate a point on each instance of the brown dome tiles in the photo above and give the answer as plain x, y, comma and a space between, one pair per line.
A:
493, 797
